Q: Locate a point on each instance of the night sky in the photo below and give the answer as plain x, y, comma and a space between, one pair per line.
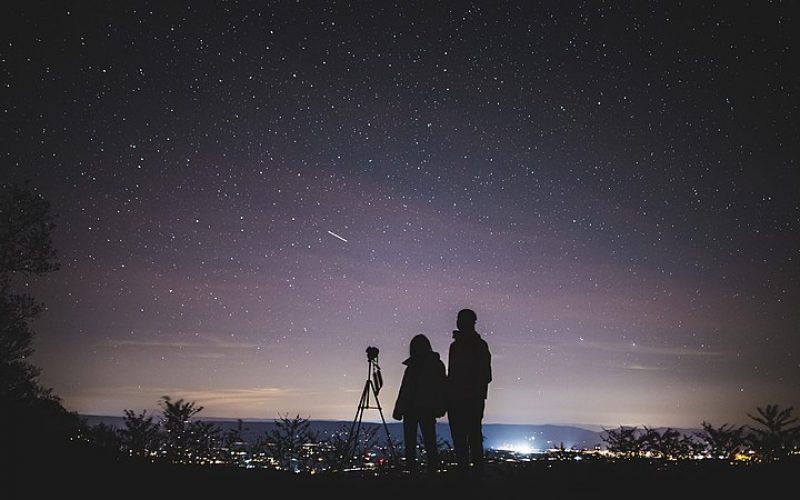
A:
250, 194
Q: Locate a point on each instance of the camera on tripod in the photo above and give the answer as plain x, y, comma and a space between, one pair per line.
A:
372, 354
371, 387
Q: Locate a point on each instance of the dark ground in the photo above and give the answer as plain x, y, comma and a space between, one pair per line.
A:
76, 476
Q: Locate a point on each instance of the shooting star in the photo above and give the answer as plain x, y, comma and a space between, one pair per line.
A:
336, 236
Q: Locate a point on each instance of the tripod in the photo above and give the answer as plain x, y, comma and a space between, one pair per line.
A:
371, 386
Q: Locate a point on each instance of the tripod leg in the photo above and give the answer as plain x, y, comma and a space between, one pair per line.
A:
385, 428
355, 428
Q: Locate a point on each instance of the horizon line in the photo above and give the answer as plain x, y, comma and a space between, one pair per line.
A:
589, 427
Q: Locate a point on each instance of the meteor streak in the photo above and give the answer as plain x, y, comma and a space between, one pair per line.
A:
336, 236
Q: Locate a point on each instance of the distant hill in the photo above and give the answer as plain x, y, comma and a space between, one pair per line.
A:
523, 438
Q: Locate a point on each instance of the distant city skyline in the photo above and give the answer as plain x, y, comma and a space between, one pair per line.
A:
249, 195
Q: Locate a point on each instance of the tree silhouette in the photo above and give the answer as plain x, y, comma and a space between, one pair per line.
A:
669, 443
336, 448
234, 442
723, 441
180, 433
777, 436
287, 440
359, 446
104, 438
32, 416
25, 251
26, 225
624, 441
140, 436
205, 442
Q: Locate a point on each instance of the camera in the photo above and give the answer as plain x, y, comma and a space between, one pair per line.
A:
372, 353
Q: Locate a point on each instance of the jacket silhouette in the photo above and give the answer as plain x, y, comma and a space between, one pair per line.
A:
469, 373
470, 369
421, 400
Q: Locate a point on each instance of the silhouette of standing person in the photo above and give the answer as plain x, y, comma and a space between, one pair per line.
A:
421, 400
468, 375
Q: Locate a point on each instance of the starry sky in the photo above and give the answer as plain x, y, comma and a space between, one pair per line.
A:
248, 194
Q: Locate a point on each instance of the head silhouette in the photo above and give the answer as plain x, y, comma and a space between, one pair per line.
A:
466, 320
420, 345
